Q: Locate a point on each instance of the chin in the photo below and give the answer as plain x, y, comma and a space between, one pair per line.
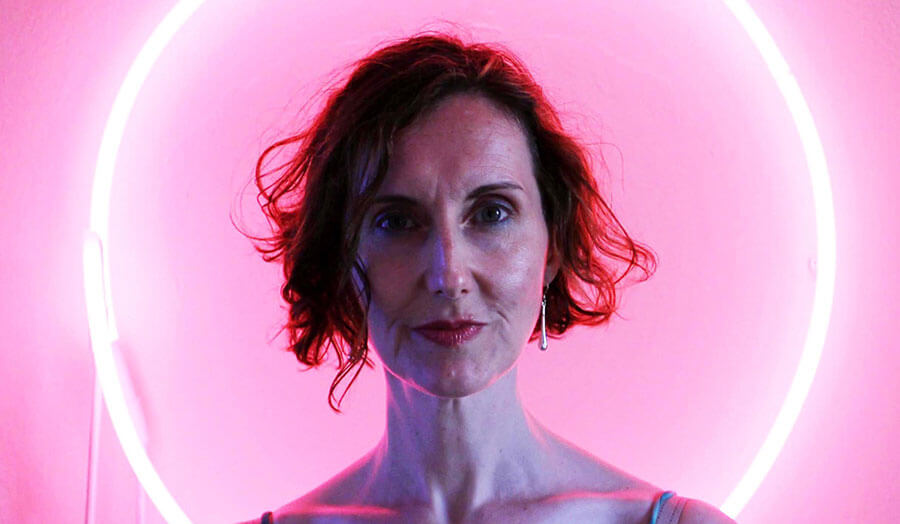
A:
450, 374
452, 390
455, 383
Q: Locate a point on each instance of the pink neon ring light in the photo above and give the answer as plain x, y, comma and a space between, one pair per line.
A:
102, 324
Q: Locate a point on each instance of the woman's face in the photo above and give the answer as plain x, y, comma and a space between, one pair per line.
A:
456, 233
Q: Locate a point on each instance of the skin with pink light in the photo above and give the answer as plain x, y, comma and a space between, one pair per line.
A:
456, 251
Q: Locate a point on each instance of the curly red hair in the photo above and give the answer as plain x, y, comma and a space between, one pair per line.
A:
316, 202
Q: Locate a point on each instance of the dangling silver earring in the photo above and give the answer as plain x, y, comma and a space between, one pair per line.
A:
544, 320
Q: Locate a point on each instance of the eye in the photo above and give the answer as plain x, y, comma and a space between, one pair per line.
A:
392, 222
493, 213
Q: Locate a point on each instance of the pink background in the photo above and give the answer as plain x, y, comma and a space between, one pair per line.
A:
705, 167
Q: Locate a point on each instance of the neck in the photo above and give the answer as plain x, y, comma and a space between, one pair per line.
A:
454, 454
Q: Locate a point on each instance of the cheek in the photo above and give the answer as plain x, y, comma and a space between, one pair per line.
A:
516, 274
392, 287
506, 268
388, 276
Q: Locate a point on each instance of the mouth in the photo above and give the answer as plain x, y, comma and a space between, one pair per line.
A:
450, 334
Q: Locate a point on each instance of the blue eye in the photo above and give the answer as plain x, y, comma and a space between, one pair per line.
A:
399, 222
493, 214
392, 222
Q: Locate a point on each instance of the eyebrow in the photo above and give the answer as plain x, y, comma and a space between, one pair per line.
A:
475, 193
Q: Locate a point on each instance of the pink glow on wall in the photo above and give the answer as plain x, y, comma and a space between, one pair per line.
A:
707, 169
167, 505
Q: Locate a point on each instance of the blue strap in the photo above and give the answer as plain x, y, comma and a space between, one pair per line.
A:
267, 518
656, 507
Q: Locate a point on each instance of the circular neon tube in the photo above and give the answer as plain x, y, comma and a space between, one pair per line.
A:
102, 325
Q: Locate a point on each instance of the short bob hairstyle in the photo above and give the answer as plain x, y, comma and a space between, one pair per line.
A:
318, 199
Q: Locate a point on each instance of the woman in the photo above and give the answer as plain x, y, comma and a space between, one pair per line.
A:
436, 211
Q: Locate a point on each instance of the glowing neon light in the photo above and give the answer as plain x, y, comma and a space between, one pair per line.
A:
826, 260
97, 289
102, 324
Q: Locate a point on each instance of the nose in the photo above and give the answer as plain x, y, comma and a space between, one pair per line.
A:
447, 258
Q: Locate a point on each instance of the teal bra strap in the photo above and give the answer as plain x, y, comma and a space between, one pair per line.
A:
659, 502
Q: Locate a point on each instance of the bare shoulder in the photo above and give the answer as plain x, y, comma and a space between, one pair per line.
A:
310, 510
582, 470
699, 512
633, 496
306, 509
305, 512
595, 490
340, 499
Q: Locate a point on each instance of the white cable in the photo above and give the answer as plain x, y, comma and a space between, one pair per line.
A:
93, 453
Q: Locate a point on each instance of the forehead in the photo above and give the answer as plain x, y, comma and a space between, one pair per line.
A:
464, 141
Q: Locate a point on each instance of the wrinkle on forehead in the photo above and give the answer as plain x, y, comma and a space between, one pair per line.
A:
466, 135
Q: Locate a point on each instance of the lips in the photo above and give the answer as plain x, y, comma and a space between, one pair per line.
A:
450, 333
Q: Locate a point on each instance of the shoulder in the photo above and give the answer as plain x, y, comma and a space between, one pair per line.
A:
699, 512
340, 499
281, 517
314, 515
311, 509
